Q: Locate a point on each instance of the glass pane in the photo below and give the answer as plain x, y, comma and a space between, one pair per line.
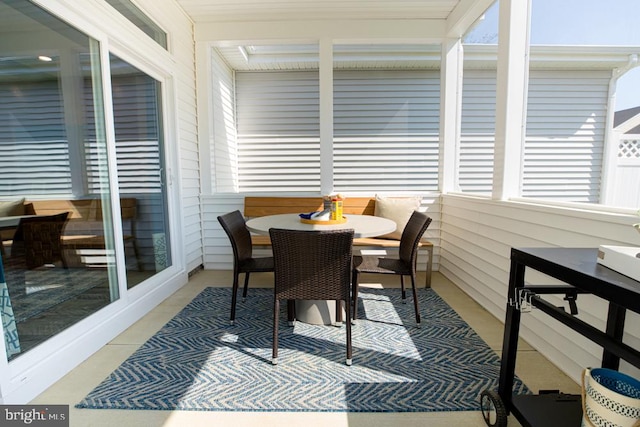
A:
57, 236
278, 131
571, 151
140, 20
478, 116
386, 128
137, 112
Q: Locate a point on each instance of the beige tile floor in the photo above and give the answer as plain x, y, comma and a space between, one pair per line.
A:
532, 368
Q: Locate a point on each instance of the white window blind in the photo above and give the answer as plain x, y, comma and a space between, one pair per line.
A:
278, 131
386, 130
565, 135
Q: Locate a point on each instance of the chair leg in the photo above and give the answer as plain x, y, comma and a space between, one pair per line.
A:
291, 312
63, 259
234, 297
136, 254
354, 294
339, 313
349, 347
429, 268
415, 297
246, 286
404, 292
274, 351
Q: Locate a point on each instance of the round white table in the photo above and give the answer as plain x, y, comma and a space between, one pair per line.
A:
362, 225
312, 311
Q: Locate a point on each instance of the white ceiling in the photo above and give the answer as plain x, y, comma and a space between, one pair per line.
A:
306, 57
272, 10
457, 16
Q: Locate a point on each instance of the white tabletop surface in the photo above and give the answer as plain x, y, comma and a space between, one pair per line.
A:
362, 225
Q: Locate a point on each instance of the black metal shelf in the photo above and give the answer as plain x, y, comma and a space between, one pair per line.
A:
548, 410
579, 270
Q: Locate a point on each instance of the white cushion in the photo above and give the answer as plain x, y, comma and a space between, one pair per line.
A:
12, 207
398, 209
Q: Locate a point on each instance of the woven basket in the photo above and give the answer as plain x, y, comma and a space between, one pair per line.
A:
609, 399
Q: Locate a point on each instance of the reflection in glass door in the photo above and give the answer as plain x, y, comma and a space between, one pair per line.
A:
56, 241
137, 108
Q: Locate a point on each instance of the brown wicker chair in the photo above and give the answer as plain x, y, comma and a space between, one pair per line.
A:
405, 265
311, 265
235, 226
37, 241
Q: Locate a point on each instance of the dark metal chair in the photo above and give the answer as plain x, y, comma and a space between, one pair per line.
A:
311, 265
37, 241
405, 265
234, 225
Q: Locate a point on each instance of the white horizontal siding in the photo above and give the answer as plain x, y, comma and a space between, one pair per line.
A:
386, 130
564, 145
278, 132
217, 248
182, 47
223, 151
476, 239
566, 119
477, 132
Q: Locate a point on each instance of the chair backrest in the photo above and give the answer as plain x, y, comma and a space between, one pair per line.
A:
313, 265
234, 225
411, 235
37, 239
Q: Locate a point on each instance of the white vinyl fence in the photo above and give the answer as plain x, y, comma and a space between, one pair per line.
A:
626, 191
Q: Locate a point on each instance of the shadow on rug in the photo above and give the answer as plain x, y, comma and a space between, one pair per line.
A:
197, 361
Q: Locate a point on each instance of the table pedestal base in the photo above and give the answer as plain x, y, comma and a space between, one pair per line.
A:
317, 312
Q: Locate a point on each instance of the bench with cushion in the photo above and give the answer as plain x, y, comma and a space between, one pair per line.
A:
84, 229
262, 206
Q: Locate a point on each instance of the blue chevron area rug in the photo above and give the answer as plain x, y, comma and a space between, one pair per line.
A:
199, 362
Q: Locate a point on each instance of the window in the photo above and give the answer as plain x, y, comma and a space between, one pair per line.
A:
53, 153
137, 110
571, 153
564, 143
386, 126
140, 20
385, 119
278, 129
51, 107
477, 133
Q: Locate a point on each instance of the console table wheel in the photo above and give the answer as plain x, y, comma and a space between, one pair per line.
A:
493, 409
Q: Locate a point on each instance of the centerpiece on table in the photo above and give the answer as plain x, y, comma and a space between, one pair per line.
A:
331, 214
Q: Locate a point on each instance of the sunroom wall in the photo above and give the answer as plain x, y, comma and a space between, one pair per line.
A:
477, 235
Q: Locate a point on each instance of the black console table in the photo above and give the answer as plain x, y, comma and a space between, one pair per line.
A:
580, 273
